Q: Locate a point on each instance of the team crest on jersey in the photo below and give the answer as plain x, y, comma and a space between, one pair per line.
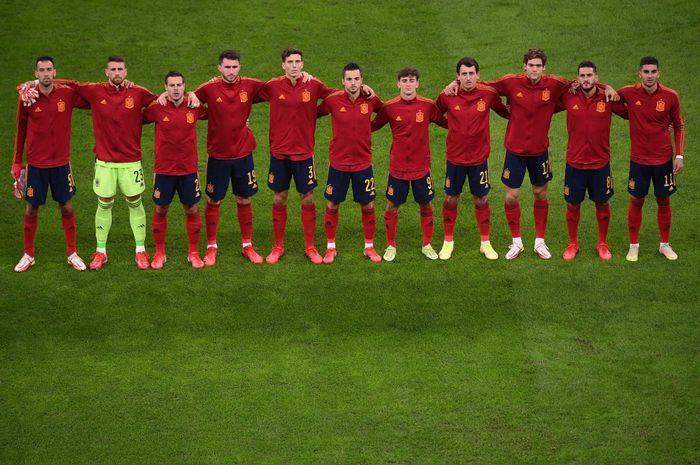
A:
271, 178
190, 117
306, 96
420, 116
631, 184
218, 100
660, 105
481, 105
38, 110
545, 95
61, 106
390, 190
506, 173
210, 187
566, 190
342, 110
575, 107
600, 107
329, 189
243, 96
364, 108
156, 193
129, 103
165, 119
448, 183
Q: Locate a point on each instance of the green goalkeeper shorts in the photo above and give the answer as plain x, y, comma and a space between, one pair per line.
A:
127, 176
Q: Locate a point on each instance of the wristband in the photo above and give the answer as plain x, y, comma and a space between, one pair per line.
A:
679, 157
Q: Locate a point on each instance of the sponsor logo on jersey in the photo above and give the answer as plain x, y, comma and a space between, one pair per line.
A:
103, 102
660, 105
61, 106
165, 119
398, 118
519, 94
481, 105
210, 187
218, 100
506, 173
342, 110
390, 190
631, 184
38, 110
329, 189
129, 103
638, 103
306, 96
457, 108
156, 193
281, 97
600, 107
575, 107
420, 116
364, 108
243, 96
545, 95
190, 117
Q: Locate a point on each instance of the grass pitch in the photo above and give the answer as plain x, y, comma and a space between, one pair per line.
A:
414, 362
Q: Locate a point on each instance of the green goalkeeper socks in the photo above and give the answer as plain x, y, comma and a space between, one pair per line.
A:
137, 219
103, 222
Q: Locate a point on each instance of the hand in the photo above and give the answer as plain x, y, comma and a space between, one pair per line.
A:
452, 89
677, 165
127, 84
367, 91
611, 95
18, 187
192, 100
162, 99
306, 77
16, 170
28, 92
574, 87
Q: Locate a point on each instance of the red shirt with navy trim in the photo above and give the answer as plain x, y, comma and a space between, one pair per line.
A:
409, 156
175, 137
293, 116
229, 104
651, 115
469, 136
351, 146
44, 128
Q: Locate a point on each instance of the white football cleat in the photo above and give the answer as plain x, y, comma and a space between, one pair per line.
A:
24, 263
514, 251
76, 262
542, 250
633, 254
667, 251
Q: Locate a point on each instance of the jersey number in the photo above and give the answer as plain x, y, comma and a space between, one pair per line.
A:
484, 177
138, 176
369, 185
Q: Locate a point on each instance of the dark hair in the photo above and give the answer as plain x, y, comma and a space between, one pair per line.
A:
173, 74
588, 64
116, 59
44, 58
352, 67
408, 72
648, 61
468, 62
535, 53
291, 51
229, 55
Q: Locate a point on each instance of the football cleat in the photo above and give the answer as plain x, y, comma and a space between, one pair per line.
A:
210, 256
667, 251
542, 251
159, 260
390, 253
193, 258
76, 262
142, 260
604, 251
570, 252
429, 252
330, 256
249, 252
514, 251
98, 260
633, 253
275, 254
446, 250
24, 263
372, 254
313, 255
488, 251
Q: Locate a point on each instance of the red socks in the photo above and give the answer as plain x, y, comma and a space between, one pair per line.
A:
391, 219
211, 217
541, 210
573, 216
279, 222
193, 224
330, 221
663, 218
602, 214
369, 224
426, 222
68, 222
483, 219
634, 218
308, 220
30, 226
159, 226
513, 218
449, 218
245, 221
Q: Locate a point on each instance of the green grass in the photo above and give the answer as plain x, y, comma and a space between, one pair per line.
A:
414, 362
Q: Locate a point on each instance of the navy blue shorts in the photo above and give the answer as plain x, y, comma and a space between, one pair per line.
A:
456, 175
514, 166
642, 175
423, 189
240, 172
186, 185
282, 171
598, 183
60, 179
363, 191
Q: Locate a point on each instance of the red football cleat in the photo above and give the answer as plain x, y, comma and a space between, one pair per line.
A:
372, 254
98, 260
210, 256
193, 258
142, 260
275, 254
330, 256
604, 251
570, 252
250, 253
313, 255
159, 260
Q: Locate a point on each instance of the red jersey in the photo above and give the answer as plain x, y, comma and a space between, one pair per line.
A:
293, 116
176, 137
469, 136
45, 127
116, 119
531, 110
351, 146
229, 106
650, 118
409, 156
588, 124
